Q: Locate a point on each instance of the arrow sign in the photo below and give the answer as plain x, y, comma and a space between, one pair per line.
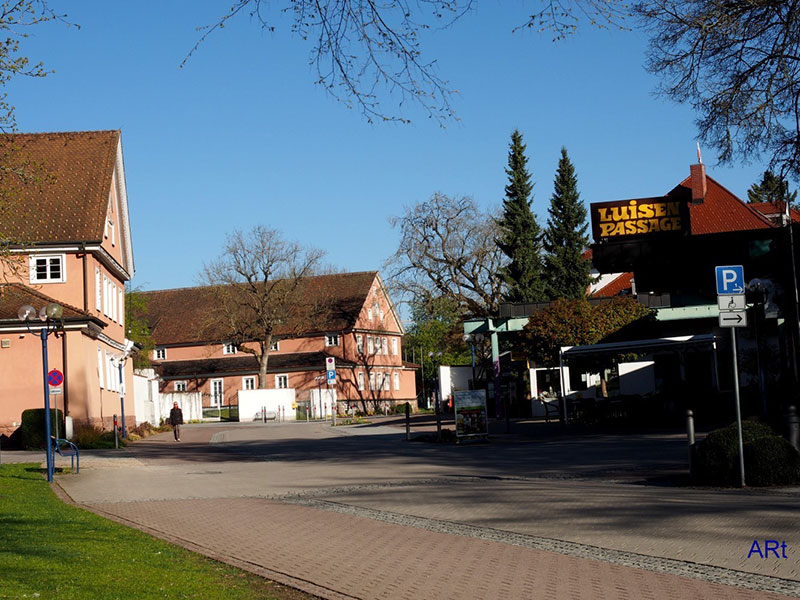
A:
733, 319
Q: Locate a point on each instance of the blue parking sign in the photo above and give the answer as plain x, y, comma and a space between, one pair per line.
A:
730, 279
331, 376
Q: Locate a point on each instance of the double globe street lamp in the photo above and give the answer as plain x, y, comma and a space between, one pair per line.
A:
52, 316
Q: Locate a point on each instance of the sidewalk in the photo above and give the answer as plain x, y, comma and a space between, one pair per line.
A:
358, 513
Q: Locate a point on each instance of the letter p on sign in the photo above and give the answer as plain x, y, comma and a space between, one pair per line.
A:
730, 279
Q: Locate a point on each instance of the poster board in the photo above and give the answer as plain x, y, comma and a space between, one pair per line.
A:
471, 417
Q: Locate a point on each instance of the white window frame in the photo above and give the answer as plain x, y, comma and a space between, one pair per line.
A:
62, 260
229, 348
361, 381
121, 296
332, 340
370, 345
249, 380
160, 354
394, 346
98, 290
396, 381
360, 344
179, 386
275, 346
113, 302
386, 383
218, 400
384, 346
282, 378
372, 381
100, 368
369, 314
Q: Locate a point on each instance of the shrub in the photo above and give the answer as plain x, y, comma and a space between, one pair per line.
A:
94, 437
32, 430
768, 458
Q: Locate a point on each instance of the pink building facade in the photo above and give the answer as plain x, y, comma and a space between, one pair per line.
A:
71, 219
363, 333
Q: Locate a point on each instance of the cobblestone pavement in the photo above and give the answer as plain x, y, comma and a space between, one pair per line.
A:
360, 513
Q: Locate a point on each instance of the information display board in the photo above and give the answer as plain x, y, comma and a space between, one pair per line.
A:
471, 418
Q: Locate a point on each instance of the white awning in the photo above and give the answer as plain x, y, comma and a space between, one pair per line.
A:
640, 345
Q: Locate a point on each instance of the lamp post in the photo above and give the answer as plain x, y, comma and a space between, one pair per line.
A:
472, 339
52, 322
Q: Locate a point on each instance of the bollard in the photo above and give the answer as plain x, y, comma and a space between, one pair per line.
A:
116, 433
690, 436
438, 421
408, 421
793, 423
306, 414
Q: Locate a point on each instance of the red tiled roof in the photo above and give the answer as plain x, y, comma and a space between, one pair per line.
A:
15, 295
614, 288
63, 195
187, 315
721, 211
774, 210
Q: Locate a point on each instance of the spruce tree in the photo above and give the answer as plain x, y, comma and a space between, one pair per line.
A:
520, 235
565, 240
772, 188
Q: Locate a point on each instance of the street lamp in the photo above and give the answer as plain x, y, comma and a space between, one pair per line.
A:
472, 339
52, 322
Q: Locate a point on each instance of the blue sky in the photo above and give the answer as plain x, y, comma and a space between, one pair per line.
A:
241, 135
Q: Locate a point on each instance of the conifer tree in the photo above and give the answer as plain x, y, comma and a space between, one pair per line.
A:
565, 240
520, 235
772, 188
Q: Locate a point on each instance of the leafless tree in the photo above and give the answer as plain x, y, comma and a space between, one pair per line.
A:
258, 290
447, 249
365, 52
737, 63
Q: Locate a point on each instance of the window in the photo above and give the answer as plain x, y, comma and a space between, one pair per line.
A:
113, 290
249, 382
360, 344
386, 382
100, 368
98, 291
160, 353
229, 348
370, 347
332, 340
361, 381
281, 382
380, 314
385, 346
111, 374
47, 269
372, 381
369, 314
217, 392
274, 346
397, 381
121, 319
394, 346
179, 386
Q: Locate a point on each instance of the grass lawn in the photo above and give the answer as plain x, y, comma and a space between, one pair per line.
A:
49, 549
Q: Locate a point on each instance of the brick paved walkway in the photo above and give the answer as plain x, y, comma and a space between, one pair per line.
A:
402, 523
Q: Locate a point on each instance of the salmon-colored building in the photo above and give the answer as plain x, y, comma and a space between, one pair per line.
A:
360, 329
65, 208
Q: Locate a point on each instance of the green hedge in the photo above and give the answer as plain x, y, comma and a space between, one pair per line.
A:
32, 428
768, 458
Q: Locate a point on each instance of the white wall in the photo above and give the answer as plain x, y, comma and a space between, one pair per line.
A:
323, 402
190, 403
145, 397
252, 401
637, 378
454, 379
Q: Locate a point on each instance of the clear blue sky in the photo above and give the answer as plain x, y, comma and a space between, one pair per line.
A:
242, 136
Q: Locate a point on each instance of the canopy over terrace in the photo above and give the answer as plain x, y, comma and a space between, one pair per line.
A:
679, 343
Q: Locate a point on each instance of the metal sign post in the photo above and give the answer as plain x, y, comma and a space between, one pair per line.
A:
732, 314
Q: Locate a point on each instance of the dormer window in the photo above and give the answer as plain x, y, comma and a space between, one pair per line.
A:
229, 348
274, 347
47, 269
332, 340
160, 353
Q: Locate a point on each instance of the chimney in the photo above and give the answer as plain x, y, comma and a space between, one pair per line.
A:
698, 181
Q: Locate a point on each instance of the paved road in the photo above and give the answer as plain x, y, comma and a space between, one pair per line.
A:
359, 512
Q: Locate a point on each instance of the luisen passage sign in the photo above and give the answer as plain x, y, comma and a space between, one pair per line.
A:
636, 217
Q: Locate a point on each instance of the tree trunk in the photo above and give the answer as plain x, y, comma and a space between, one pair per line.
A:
263, 360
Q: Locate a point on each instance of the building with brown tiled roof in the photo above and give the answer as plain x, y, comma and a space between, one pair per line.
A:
358, 326
64, 217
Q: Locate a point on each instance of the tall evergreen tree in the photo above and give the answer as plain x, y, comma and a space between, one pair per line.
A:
565, 240
520, 235
772, 188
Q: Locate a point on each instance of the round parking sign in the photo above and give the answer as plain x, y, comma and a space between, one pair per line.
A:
55, 378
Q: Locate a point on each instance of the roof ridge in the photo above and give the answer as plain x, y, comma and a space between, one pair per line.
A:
21, 133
